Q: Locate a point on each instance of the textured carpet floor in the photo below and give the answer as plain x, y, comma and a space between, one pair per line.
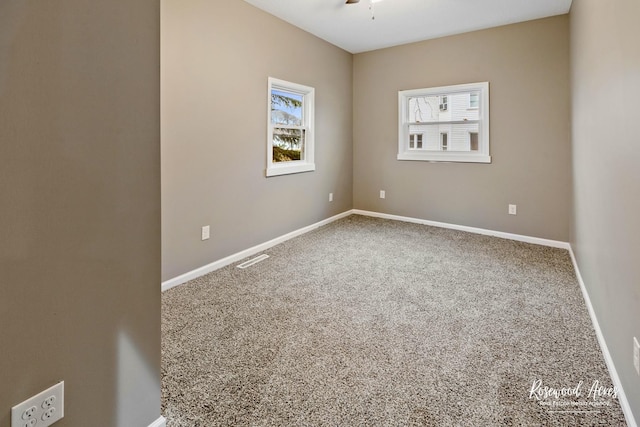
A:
371, 322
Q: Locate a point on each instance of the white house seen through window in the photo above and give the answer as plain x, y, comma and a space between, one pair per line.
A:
452, 122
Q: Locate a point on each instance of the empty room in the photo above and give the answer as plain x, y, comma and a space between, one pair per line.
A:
319, 213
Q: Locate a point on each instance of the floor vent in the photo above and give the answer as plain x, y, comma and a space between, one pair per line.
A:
253, 261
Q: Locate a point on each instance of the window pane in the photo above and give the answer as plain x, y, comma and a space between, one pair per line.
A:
473, 137
446, 136
288, 144
286, 108
424, 109
443, 108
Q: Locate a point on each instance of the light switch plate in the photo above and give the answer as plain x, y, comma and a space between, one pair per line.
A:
636, 355
206, 232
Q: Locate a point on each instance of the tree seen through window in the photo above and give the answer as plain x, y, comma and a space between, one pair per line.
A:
287, 119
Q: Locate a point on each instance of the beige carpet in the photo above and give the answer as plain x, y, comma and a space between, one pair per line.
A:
371, 322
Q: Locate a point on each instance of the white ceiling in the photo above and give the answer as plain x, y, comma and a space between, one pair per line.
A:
350, 26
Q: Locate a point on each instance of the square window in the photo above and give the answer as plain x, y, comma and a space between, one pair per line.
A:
451, 128
290, 128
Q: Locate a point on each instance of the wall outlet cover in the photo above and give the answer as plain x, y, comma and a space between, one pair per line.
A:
41, 410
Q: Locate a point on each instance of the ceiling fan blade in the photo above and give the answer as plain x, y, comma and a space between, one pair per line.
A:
352, 1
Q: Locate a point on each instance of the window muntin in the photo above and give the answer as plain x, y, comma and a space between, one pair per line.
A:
457, 133
290, 128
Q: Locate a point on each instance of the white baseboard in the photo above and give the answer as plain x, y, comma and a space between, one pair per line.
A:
501, 234
160, 422
622, 398
201, 271
246, 253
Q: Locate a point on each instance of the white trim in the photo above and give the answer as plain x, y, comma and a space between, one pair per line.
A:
246, 253
445, 156
287, 168
622, 397
160, 422
501, 234
201, 271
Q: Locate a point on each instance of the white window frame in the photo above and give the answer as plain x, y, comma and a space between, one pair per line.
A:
306, 162
480, 156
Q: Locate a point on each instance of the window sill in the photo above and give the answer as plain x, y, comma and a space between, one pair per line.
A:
458, 157
290, 168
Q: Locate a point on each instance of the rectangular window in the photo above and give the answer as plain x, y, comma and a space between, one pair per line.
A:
415, 141
290, 128
474, 98
473, 141
447, 135
444, 105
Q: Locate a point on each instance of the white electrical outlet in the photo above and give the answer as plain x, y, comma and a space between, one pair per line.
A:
41, 410
331, 197
383, 194
513, 210
206, 232
636, 355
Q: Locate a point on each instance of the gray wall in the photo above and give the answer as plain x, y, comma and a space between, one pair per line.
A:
80, 208
527, 66
605, 81
216, 58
